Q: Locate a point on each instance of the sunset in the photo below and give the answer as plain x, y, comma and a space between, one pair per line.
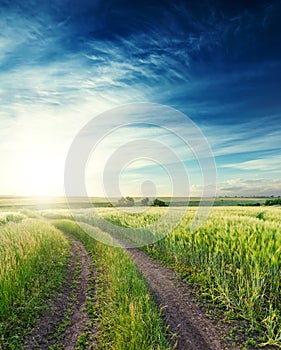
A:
62, 65
140, 182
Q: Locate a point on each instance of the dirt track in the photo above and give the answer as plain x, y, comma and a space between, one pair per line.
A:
193, 329
71, 300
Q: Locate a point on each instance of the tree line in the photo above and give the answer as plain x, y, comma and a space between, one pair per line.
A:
130, 202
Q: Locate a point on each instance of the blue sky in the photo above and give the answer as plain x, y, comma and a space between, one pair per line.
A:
64, 62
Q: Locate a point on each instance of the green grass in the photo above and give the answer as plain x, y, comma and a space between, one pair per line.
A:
234, 259
33, 255
6, 217
125, 315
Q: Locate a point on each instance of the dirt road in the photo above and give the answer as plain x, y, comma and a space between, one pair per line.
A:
193, 329
66, 317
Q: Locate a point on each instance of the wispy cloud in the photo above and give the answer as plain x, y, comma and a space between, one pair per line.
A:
62, 64
250, 187
269, 164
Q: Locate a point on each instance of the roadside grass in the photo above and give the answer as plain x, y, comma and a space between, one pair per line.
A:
237, 264
124, 314
33, 255
6, 217
234, 260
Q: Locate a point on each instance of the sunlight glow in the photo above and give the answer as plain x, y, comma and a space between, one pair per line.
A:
40, 175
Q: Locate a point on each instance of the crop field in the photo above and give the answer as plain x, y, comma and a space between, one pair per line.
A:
35, 256
230, 265
32, 256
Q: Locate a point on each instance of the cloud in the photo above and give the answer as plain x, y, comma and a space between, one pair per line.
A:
62, 64
265, 164
250, 187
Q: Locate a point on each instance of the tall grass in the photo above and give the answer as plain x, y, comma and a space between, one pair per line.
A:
32, 259
6, 217
235, 259
126, 316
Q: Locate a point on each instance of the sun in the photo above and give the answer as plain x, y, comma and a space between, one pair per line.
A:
40, 175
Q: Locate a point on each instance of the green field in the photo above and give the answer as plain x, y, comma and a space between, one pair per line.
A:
33, 262
32, 259
233, 263
37, 203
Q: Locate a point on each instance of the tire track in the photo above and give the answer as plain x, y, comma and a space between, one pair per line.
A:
193, 329
45, 333
80, 317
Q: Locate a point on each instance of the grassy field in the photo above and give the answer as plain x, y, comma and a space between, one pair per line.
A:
233, 262
124, 312
234, 259
32, 268
32, 258
40, 203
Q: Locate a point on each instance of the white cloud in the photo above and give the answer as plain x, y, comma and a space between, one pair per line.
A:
47, 100
265, 164
257, 186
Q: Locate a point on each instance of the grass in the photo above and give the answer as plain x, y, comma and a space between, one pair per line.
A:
236, 263
6, 217
234, 259
32, 258
126, 318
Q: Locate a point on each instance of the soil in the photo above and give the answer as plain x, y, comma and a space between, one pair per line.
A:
192, 328
44, 334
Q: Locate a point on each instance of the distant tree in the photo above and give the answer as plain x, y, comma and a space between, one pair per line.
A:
158, 203
145, 202
130, 201
122, 202
257, 204
275, 201
126, 202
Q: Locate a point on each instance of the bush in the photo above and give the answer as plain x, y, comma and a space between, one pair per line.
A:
158, 203
126, 202
275, 201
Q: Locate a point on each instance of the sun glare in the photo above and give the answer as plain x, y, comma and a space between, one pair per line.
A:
40, 176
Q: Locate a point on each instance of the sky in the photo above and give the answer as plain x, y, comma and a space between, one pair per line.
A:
64, 62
